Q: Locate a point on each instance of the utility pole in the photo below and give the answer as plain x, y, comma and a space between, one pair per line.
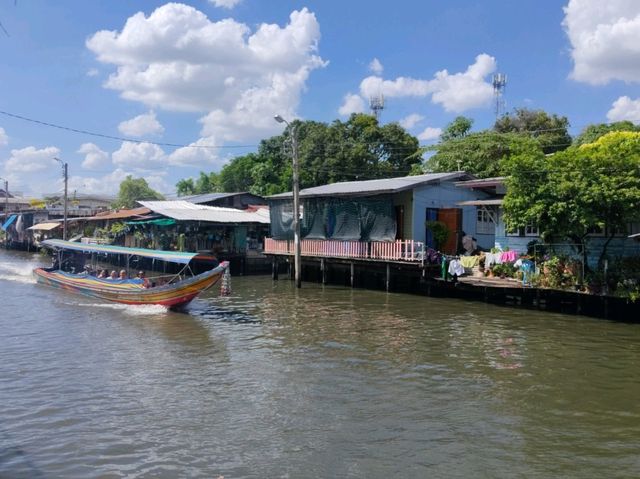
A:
297, 262
65, 174
6, 197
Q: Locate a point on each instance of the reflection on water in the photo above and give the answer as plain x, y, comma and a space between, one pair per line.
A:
319, 382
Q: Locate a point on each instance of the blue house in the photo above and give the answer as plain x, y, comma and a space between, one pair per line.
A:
491, 221
384, 210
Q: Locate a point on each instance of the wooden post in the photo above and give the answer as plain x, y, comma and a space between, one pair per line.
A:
274, 268
388, 276
353, 272
323, 267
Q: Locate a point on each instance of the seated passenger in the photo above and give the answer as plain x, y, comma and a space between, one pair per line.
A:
143, 278
104, 274
123, 274
113, 275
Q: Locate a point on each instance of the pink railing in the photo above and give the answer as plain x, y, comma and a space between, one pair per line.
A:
401, 250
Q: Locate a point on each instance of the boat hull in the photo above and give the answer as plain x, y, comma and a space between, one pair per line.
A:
169, 295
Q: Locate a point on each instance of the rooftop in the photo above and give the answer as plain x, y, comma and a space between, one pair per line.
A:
187, 211
375, 187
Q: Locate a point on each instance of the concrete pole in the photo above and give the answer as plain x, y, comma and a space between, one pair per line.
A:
66, 199
296, 208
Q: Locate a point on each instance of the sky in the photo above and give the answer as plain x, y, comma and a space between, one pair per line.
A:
194, 84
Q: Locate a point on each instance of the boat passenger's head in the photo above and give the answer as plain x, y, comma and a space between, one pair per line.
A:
140, 274
114, 274
123, 274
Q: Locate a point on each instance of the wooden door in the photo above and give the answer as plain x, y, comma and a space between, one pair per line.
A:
452, 218
399, 222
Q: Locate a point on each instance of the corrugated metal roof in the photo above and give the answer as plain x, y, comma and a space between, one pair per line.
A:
490, 202
186, 211
44, 226
120, 214
374, 187
205, 198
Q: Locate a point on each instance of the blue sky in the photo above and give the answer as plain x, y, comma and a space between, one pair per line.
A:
214, 72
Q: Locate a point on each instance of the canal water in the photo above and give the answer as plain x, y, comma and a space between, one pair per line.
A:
317, 383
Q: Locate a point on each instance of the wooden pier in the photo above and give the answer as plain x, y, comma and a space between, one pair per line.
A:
410, 273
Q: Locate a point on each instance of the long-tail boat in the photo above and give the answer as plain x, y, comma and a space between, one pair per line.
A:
176, 292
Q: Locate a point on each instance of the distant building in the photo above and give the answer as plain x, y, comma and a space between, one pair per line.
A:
240, 201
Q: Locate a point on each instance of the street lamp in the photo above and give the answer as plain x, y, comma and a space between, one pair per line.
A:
6, 196
65, 174
293, 132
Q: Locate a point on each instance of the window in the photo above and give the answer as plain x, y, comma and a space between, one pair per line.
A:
484, 223
529, 230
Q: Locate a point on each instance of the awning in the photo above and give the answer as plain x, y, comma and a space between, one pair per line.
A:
157, 222
491, 202
7, 223
44, 226
170, 256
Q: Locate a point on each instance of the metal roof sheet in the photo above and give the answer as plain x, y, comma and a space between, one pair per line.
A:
120, 214
206, 197
44, 226
186, 211
374, 187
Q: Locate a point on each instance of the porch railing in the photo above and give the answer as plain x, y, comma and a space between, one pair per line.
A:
401, 250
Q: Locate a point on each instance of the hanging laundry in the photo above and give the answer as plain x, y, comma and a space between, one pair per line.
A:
492, 258
469, 261
456, 268
508, 256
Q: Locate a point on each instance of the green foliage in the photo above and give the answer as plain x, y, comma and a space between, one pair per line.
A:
439, 231
481, 153
551, 131
458, 128
357, 149
132, 190
205, 183
596, 185
592, 132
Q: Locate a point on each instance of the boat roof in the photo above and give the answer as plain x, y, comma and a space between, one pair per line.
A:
169, 256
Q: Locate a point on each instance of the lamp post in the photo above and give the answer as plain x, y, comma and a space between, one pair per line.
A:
6, 196
293, 132
65, 174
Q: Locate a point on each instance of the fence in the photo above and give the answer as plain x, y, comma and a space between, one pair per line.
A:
401, 250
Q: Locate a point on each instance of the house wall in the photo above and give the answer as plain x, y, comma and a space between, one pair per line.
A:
619, 246
446, 195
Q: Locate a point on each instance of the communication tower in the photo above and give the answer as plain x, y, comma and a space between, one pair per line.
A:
376, 104
499, 86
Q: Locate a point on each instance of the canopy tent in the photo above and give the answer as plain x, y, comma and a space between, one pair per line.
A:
157, 222
169, 256
7, 223
44, 226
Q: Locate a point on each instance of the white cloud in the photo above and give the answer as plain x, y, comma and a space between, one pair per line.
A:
141, 125
141, 156
110, 184
30, 159
351, 104
225, 3
376, 67
179, 60
4, 138
604, 40
624, 108
430, 133
92, 72
94, 157
410, 121
456, 92
197, 154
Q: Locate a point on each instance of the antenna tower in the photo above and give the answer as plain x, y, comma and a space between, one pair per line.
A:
499, 86
376, 104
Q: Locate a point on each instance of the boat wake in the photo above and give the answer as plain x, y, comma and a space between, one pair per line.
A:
130, 309
18, 273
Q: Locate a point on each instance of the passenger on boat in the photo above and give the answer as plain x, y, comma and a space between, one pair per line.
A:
123, 274
114, 275
144, 279
104, 274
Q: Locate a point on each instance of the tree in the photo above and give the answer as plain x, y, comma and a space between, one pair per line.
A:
205, 183
551, 131
458, 128
571, 193
592, 132
132, 190
343, 151
480, 153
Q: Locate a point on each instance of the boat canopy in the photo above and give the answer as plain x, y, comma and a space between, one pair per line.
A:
169, 256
